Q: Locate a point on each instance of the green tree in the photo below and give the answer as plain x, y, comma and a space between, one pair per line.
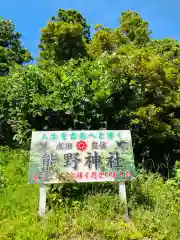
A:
134, 27
73, 17
11, 50
103, 40
132, 30
64, 37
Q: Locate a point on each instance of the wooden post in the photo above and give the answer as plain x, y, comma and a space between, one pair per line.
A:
122, 195
42, 200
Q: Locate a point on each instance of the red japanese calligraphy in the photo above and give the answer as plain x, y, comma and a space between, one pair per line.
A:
87, 175
94, 175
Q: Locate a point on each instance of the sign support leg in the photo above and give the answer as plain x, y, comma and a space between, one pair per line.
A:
42, 200
122, 195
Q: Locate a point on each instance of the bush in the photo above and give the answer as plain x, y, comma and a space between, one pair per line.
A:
77, 192
155, 206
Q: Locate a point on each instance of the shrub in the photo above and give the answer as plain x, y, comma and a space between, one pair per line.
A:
155, 206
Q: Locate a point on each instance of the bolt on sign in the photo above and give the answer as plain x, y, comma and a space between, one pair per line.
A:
81, 156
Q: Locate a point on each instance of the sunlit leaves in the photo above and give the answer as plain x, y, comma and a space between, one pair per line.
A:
11, 50
64, 37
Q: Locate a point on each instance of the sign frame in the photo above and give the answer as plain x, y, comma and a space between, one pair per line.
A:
107, 133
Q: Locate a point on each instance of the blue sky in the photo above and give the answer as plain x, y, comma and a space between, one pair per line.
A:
29, 16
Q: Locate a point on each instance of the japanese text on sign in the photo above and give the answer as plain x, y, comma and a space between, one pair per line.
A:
84, 155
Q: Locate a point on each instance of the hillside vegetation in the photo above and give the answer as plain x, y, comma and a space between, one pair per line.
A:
117, 79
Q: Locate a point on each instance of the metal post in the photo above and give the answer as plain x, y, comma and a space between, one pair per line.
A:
122, 195
42, 200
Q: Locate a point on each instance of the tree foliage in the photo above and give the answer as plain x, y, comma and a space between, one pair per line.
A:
64, 37
121, 79
11, 50
134, 27
132, 30
74, 17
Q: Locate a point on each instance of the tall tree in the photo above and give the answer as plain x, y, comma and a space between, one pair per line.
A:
103, 40
132, 30
11, 50
134, 27
64, 37
73, 17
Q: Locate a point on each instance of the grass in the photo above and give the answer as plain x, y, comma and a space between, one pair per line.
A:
154, 208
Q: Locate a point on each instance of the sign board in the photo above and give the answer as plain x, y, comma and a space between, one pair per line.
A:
81, 156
